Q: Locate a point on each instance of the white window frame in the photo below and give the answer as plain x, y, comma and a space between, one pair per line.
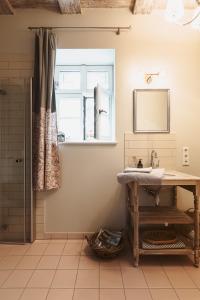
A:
84, 92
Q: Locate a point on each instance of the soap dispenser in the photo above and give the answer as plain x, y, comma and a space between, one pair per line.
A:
140, 165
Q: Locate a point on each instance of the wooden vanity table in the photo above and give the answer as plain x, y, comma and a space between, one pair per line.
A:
150, 215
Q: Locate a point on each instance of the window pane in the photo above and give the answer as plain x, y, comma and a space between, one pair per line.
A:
105, 127
105, 103
70, 80
70, 118
100, 77
72, 129
89, 126
70, 108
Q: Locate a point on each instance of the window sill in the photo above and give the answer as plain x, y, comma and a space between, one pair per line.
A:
89, 143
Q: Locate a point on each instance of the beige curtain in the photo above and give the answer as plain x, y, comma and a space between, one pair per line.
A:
46, 167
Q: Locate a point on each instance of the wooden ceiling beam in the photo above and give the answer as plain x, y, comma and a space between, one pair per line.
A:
6, 8
143, 6
69, 6
132, 5
105, 3
74, 6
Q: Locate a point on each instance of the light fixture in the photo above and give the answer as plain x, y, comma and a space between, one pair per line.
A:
195, 21
175, 13
174, 10
148, 77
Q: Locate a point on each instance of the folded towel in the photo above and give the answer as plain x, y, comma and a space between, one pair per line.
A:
139, 170
154, 177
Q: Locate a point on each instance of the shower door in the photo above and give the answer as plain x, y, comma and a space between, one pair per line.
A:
15, 161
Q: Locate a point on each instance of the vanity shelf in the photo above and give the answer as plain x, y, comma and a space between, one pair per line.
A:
163, 215
145, 216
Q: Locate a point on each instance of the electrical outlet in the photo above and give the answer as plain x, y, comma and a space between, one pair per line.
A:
185, 156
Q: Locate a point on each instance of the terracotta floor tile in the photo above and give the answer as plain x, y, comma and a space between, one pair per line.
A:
112, 294
60, 294
150, 260
41, 242
110, 264
138, 294
178, 277
69, 262
48, 262
87, 279
34, 294
58, 241
174, 260
73, 248
4, 275
194, 274
188, 294
75, 241
37, 249
9, 262
28, 262
41, 279
18, 279
126, 261
53, 276
156, 277
110, 279
5, 249
19, 249
10, 294
86, 294
163, 294
54, 249
133, 278
64, 279
89, 263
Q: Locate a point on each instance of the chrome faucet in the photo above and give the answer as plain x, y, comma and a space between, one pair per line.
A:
154, 159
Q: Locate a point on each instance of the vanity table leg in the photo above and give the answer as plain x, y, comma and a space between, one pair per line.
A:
136, 225
196, 226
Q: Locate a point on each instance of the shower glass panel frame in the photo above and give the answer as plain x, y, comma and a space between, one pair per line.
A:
16, 201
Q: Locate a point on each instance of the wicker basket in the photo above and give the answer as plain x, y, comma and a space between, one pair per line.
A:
105, 252
159, 237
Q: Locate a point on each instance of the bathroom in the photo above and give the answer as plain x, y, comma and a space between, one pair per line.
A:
90, 196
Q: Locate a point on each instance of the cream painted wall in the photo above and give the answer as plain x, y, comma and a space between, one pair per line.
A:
90, 196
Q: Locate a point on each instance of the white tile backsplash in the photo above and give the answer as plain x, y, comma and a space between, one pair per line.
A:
140, 146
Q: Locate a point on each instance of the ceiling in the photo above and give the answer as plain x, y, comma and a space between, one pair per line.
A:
9, 7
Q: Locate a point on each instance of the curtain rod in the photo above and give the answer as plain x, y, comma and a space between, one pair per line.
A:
117, 29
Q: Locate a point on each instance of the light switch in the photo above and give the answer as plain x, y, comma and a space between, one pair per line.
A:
185, 156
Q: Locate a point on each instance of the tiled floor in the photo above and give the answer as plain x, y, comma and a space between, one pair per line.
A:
67, 270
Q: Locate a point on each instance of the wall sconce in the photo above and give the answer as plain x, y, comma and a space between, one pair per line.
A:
148, 77
175, 12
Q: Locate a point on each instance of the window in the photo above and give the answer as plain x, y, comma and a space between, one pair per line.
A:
85, 100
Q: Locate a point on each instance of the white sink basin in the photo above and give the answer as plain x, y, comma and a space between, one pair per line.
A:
169, 174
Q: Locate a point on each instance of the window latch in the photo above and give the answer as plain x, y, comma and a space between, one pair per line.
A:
102, 111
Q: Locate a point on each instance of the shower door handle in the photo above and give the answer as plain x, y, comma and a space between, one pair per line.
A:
19, 160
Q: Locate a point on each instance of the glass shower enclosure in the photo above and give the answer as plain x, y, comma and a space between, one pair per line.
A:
16, 205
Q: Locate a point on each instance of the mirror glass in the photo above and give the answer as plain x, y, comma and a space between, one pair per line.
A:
151, 110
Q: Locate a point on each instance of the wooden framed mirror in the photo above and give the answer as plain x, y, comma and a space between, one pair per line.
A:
151, 110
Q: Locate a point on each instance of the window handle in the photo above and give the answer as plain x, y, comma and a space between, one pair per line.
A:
102, 111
